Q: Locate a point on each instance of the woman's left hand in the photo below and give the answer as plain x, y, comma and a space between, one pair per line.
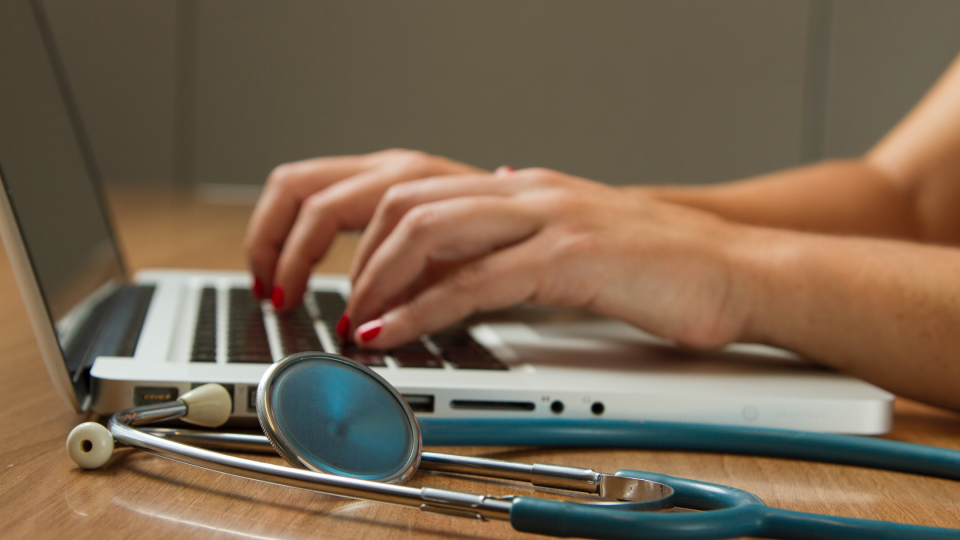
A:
440, 249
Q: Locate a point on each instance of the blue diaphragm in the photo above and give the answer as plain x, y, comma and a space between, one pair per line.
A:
329, 414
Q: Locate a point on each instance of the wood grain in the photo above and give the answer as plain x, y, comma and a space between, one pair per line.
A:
42, 495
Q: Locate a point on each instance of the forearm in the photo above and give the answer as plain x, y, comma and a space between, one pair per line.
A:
838, 197
885, 311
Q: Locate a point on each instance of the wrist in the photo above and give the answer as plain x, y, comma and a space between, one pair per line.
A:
760, 260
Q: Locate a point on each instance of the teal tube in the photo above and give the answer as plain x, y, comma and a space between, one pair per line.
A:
802, 445
582, 520
731, 513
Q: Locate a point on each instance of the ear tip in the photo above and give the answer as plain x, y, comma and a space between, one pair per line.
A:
209, 405
90, 445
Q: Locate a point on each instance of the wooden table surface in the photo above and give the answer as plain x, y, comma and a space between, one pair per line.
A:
43, 495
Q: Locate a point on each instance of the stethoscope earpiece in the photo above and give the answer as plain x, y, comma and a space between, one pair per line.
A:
90, 445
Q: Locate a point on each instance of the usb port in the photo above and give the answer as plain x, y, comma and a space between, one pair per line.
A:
251, 399
419, 403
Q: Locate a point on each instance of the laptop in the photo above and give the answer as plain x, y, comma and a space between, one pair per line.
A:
110, 340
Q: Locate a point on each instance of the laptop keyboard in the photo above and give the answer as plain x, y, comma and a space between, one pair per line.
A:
247, 336
246, 333
205, 333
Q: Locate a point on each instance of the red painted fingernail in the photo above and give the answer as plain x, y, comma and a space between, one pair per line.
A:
370, 330
343, 328
276, 297
504, 170
257, 288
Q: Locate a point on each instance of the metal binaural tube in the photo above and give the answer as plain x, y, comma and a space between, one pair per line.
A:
539, 474
556, 476
465, 504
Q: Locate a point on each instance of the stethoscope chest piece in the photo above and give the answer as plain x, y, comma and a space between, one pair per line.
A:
330, 415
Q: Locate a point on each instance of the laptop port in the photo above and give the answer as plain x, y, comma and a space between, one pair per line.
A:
492, 405
597, 408
145, 395
251, 399
556, 407
419, 403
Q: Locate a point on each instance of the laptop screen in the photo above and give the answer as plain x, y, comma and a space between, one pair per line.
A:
49, 175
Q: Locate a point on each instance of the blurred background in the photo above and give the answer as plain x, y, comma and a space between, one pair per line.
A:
216, 92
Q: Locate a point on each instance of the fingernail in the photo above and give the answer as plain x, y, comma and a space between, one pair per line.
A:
343, 328
257, 288
504, 170
370, 330
276, 297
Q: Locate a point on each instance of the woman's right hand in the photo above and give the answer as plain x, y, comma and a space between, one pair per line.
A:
305, 203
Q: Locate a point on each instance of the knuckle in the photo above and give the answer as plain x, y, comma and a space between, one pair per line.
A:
397, 197
412, 161
420, 220
281, 176
558, 203
317, 203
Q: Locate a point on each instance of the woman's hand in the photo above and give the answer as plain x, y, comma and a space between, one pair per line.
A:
304, 205
439, 249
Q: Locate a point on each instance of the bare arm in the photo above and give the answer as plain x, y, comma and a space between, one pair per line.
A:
907, 186
887, 311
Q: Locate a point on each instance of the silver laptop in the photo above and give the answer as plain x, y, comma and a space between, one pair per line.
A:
111, 341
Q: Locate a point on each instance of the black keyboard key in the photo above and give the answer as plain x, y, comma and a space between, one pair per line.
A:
366, 357
246, 333
205, 333
331, 305
415, 354
461, 350
297, 333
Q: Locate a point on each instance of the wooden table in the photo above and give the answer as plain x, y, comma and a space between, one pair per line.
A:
42, 494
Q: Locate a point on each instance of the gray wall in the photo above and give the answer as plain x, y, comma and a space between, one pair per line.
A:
884, 55
182, 91
121, 63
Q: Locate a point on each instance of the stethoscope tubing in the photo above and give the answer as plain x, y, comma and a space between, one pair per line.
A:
766, 442
552, 518
736, 513
728, 512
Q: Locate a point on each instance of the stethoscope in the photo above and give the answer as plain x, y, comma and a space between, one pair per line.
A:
348, 432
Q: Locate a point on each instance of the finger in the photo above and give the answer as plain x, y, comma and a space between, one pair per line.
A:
345, 205
449, 230
400, 198
496, 281
277, 208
